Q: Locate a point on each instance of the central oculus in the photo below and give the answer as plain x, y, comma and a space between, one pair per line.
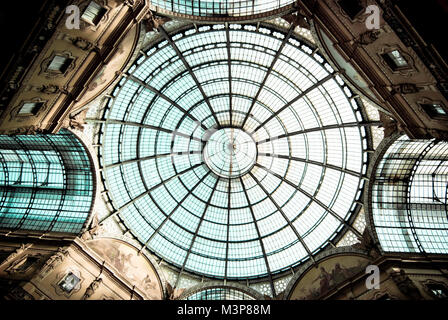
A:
230, 152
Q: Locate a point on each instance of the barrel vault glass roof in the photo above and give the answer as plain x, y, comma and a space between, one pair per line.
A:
309, 135
221, 8
46, 183
220, 294
410, 197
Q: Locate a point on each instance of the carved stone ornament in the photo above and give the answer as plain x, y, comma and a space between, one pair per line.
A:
369, 37
129, 3
366, 243
94, 229
92, 288
52, 262
76, 121
382, 294
405, 284
78, 42
390, 125
81, 43
172, 293
47, 89
152, 22
297, 19
405, 88
19, 293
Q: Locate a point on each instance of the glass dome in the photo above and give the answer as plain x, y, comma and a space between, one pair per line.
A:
233, 152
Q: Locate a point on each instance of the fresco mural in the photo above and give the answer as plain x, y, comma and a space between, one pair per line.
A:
328, 274
134, 267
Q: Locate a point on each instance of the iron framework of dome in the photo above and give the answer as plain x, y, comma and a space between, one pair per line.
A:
233, 151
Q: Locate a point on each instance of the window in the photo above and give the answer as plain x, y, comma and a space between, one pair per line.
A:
69, 282
93, 13
22, 265
30, 108
59, 64
351, 7
439, 291
435, 110
395, 60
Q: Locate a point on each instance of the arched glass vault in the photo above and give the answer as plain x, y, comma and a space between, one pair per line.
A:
219, 293
408, 206
221, 8
47, 184
233, 151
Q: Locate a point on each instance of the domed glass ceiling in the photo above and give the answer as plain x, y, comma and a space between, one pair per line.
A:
233, 152
221, 8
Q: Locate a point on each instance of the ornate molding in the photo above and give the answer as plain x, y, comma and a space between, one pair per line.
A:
78, 42
16, 253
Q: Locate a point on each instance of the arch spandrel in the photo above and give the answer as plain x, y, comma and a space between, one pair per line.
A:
132, 265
